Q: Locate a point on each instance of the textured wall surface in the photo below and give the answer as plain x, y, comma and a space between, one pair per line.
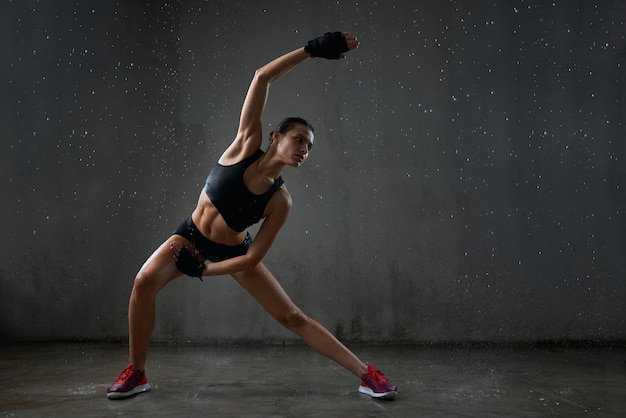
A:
466, 184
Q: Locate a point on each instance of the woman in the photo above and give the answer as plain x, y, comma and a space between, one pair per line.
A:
243, 188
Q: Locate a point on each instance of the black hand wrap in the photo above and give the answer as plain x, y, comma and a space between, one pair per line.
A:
329, 46
188, 264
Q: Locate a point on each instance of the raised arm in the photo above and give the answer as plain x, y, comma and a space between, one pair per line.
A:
254, 104
249, 134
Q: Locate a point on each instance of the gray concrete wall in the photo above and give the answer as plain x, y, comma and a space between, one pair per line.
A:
467, 181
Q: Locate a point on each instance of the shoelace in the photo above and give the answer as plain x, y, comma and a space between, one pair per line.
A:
127, 373
378, 376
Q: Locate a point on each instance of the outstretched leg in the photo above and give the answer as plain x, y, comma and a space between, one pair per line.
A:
264, 287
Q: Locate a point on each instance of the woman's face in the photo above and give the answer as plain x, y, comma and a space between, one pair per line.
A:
294, 145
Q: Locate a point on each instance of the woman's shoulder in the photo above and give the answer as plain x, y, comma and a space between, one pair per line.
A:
280, 203
239, 151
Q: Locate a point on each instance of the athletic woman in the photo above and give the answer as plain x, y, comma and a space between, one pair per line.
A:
243, 188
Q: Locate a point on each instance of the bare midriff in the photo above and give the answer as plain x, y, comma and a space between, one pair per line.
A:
211, 224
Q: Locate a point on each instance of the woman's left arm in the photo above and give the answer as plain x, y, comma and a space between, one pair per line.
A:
278, 209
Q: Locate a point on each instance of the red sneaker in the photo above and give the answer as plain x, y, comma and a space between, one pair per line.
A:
130, 382
375, 384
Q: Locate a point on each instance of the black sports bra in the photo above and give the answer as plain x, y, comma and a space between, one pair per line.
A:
239, 207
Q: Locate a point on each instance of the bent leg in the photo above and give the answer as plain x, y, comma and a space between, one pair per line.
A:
157, 271
264, 287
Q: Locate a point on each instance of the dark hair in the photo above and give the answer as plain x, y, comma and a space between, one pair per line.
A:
287, 124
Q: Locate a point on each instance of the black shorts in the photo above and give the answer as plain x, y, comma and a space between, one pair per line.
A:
210, 250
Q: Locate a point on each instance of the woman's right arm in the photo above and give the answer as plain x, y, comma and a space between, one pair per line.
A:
249, 136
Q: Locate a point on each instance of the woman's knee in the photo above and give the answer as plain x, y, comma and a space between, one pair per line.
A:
292, 319
145, 284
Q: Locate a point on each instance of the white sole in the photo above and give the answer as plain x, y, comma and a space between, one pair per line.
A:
120, 395
385, 395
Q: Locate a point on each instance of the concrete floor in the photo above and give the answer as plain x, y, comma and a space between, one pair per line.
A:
70, 380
